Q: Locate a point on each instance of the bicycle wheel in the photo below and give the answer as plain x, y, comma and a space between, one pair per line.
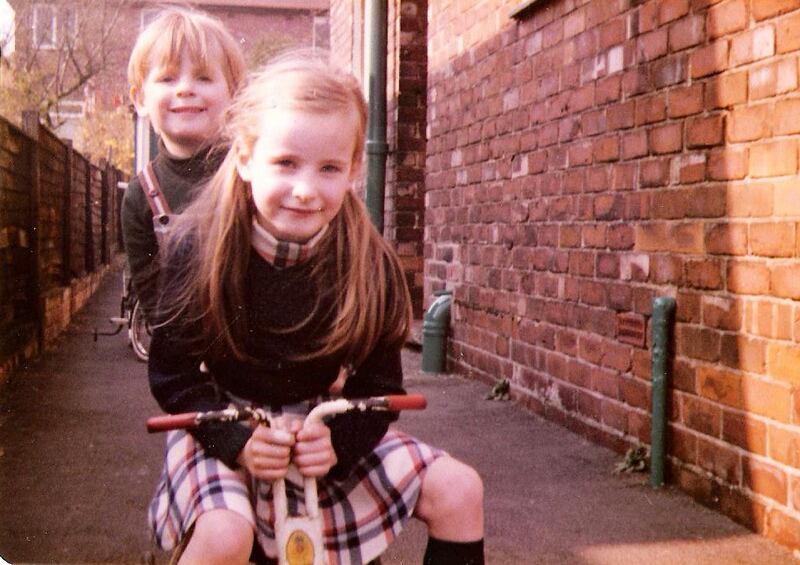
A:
139, 333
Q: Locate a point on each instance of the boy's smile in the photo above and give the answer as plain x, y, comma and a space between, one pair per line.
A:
184, 100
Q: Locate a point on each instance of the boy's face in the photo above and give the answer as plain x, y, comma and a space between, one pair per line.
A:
299, 169
185, 102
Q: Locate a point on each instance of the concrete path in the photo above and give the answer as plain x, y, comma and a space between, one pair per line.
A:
77, 470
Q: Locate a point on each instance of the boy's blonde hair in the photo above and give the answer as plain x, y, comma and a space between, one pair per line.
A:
372, 299
176, 29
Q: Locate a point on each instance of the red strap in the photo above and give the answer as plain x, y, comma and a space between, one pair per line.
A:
152, 190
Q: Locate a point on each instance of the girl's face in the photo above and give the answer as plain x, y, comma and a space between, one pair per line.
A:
185, 102
299, 170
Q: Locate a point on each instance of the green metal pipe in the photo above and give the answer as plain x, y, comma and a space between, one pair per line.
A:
376, 146
663, 311
435, 322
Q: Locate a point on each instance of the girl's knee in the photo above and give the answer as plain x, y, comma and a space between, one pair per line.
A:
219, 536
450, 487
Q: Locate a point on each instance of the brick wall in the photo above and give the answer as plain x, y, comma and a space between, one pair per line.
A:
591, 156
406, 107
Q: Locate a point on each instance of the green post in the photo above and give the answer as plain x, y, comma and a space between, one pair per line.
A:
663, 310
434, 332
376, 145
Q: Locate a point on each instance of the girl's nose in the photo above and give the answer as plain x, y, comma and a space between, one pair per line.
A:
303, 189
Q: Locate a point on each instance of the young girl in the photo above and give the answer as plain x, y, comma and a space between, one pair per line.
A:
183, 71
277, 280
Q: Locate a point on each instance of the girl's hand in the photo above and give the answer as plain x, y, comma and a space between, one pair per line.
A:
313, 453
267, 453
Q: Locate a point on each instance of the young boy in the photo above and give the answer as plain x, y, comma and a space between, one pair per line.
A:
183, 71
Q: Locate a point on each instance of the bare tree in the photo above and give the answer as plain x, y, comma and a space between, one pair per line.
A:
62, 48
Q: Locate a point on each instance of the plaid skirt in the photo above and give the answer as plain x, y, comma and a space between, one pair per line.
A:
361, 515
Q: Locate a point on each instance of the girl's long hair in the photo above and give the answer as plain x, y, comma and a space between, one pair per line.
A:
371, 295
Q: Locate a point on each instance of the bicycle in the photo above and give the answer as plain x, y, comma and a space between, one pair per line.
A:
131, 315
299, 537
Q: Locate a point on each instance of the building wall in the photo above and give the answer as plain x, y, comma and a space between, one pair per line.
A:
261, 28
591, 156
406, 104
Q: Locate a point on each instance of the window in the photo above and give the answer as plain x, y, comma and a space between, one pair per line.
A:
71, 23
44, 26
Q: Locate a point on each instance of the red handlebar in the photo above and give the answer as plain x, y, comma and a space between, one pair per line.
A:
399, 402
394, 403
171, 422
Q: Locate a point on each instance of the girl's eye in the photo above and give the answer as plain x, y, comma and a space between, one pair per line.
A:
331, 169
284, 163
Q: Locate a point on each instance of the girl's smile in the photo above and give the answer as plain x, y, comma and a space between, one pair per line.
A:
299, 170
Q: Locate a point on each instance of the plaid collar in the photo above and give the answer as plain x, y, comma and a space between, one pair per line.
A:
282, 254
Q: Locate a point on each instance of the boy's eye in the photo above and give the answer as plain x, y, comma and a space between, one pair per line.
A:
284, 163
331, 168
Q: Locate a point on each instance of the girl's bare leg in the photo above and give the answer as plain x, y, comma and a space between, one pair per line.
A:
451, 501
220, 537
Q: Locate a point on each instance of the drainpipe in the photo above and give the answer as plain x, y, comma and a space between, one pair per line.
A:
434, 332
663, 310
376, 19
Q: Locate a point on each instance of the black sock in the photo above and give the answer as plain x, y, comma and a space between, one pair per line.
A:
442, 552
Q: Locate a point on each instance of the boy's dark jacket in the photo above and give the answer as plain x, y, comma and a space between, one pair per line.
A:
179, 179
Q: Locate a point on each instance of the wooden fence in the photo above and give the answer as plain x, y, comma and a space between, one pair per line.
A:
59, 231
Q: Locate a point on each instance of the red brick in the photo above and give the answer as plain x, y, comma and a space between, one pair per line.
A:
766, 480
783, 360
748, 277
744, 431
702, 416
691, 167
764, 9
654, 172
752, 45
667, 138
750, 200
728, 163
749, 123
634, 144
670, 10
679, 238
782, 528
686, 33
719, 386
787, 197
705, 131
685, 100
786, 117
652, 45
726, 18
742, 352
766, 398
774, 239
727, 239
722, 313
607, 149
688, 309
784, 446
683, 444
772, 79
651, 109
704, 274
719, 460
712, 58
787, 34
620, 116
726, 90
698, 343
774, 158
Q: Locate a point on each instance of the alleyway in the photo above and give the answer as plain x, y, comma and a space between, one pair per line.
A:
77, 470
